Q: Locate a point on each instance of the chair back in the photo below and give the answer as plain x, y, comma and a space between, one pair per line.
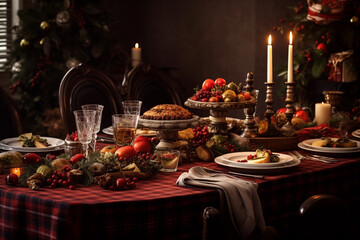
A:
84, 84
323, 216
10, 119
152, 86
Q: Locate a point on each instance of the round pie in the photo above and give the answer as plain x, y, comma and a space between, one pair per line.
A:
167, 112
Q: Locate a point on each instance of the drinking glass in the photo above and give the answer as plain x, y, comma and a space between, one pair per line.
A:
170, 160
124, 127
132, 107
85, 122
98, 108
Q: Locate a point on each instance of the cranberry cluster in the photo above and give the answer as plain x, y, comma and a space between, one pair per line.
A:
61, 179
73, 136
201, 136
124, 183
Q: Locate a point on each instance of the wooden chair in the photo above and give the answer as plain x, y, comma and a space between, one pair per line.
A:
152, 86
10, 117
323, 216
84, 84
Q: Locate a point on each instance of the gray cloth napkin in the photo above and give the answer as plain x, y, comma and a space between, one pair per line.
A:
241, 199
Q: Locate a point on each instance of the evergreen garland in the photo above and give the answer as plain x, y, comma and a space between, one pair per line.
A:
52, 37
315, 42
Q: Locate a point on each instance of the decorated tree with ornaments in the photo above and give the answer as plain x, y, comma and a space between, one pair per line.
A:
326, 47
52, 37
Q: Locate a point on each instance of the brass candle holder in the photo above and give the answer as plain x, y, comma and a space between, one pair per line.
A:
269, 101
249, 122
288, 129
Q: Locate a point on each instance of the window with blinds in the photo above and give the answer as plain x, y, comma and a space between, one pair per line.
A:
5, 34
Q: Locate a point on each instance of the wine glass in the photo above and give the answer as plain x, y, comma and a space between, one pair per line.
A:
98, 108
132, 107
85, 122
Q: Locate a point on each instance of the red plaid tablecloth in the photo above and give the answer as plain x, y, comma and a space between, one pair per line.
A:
158, 208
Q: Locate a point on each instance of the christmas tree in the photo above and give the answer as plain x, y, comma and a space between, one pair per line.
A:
327, 45
52, 37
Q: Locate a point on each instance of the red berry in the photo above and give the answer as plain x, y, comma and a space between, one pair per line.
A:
12, 179
120, 183
72, 187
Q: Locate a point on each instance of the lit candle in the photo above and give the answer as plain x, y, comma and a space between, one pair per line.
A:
135, 55
269, 61
322, 113
16, 171
290, 61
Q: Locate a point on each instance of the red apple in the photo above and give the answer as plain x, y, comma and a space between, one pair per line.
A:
126, 152
220, 81
142, 147
140, 139
208, 84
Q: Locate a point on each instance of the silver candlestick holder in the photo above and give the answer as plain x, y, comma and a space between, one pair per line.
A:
249, 122
289, 129
269, 101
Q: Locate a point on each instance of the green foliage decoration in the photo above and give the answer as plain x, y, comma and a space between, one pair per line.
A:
52, 37
314, 42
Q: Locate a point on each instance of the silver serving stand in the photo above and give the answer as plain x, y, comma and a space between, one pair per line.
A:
218, 113
167, 130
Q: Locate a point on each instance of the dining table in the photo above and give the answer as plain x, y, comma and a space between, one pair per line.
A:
160, 209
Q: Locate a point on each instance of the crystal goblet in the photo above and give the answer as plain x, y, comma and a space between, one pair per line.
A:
98, 116
85, 122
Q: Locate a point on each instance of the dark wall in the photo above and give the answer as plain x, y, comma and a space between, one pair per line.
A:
204, 38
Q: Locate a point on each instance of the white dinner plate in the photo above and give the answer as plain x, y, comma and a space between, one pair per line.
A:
13, 144
308, 143
238, 156
146, 133
326, 150
356, 133
251, 168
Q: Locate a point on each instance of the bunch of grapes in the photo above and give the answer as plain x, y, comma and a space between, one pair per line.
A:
203, 95
201, 136
61, 179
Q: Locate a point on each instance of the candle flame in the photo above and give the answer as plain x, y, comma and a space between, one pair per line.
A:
15, 171
136, 45
269, 40
291, 38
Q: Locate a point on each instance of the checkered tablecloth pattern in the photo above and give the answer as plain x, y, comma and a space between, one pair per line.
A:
158, 208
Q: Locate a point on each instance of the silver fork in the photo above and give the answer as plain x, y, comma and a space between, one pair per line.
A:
301, 157
203, 172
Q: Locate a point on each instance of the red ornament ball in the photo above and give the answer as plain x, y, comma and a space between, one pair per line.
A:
322, 47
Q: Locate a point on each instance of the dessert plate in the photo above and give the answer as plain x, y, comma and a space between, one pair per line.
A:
13, 144
326, 149
234, 158
263, 168
308, 143
356, 133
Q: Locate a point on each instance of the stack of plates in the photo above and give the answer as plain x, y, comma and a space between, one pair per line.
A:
13, 144
306, 145
356, 133
231, 160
